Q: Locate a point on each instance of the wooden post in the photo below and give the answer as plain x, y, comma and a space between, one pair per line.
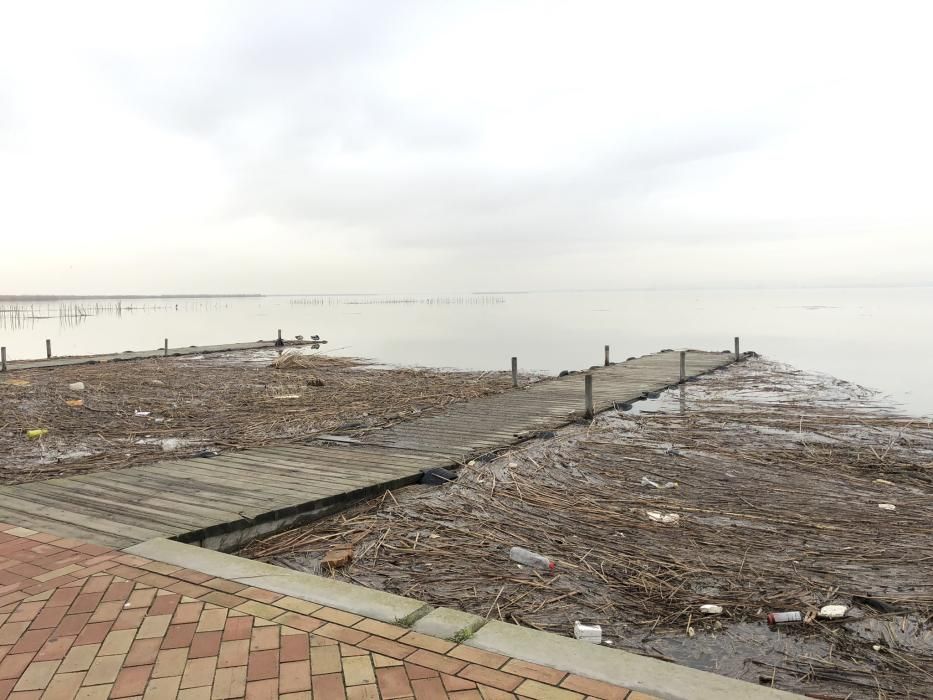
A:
514, 372
3, 359
165, 348
588, 395
683, 365
607, 356
48, 348
280, 336
738, 355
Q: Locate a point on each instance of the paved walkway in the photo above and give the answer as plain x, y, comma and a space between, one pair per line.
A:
81, 620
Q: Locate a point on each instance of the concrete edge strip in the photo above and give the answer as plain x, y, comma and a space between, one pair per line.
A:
659, 678
379, 605
621, 668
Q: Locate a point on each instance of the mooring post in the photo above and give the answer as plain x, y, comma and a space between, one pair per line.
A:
738, 355
588, 395
48, 348
3, 359
280, 336
165, 348
514, 372
683, 365
607, 356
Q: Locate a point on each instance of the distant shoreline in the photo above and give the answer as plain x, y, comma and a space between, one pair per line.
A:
73, 297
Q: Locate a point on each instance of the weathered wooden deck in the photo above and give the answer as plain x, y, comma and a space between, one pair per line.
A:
252, 490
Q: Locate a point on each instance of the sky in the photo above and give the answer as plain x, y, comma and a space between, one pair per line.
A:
390, 146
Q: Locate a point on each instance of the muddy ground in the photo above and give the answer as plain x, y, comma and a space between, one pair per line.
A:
776, 477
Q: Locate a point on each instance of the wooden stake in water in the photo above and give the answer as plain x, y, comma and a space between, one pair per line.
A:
514, 372
165, 348
48, 348
607, 356
588, 395
280, 336
683, 366
738, 355
3, 359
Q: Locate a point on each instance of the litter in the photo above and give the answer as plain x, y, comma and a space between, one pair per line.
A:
883, 481
833, 612
779, 617
666, 518
18, 382
645, 481
529, 558
170, 444
288, 396
36, 433
142, 414
588, 633
887, 506
74, 402
437, 476
711, 609
76, 386
338, 557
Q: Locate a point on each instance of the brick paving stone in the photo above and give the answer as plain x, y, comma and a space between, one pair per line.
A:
55, 648
13, 665
635, 695
337, 616
536, 672
478, 656
330, 686
154, 626
104, 669
294, 676
342, 634
200, 672
260, 595
262, 690
472, 695
416, 671
117, 642
129, 619
212, 620
263, 665
31, 642
233, 653
229, 683
429, 689
380, 628
358, 670
63, 686
97, 692
205, 644
179, 636
363, 692
347, 650
441, 646
387, 647
238, 628
37, 675
264, 638
438, 662
491, 677
165, 604
143, 652
541, 691
325, 660
105, 612
187, 612
295, 647
162, 688
302, 607
170, 662
78, 658
393, 683
488, 693
597, 689
454, 683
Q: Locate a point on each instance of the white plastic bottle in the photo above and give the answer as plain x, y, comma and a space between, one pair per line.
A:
529, 558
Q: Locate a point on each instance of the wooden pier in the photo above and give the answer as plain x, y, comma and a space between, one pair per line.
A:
222, 500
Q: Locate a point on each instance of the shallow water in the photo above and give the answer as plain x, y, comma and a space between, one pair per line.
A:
875, 337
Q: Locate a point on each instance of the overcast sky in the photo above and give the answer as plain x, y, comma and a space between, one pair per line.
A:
425, 146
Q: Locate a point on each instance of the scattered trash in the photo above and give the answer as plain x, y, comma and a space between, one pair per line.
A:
288, 396
884, 481
338, 557
142, 414
666, 518
171, 444
36, 433
74, 402
206, 454
645, 481
691, 632
833, 612
529, 558
588, 633
18, 382
76, 386
887, 506
779, 617
879, 605
711, 609
876, 647
437, 476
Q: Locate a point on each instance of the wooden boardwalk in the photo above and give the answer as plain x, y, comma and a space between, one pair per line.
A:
143, 354
122, 507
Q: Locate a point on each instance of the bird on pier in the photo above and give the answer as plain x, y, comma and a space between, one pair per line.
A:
299, 338
315, 337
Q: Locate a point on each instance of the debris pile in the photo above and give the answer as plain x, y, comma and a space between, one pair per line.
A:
779, 474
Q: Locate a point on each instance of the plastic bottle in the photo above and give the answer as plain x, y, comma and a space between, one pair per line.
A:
528, 558
778, 617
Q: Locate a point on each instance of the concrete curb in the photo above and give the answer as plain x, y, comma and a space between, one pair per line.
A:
379, 605
448, 623
642, 673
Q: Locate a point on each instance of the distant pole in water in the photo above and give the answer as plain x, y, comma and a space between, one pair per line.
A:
683, 365
514, 372
607, 356
737, 353
588, 395
3, 359
279, 342
165, 348
48, 348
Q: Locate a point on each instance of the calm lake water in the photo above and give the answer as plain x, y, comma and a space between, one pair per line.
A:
876, 337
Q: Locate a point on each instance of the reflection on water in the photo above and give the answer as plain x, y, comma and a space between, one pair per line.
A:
875, 337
